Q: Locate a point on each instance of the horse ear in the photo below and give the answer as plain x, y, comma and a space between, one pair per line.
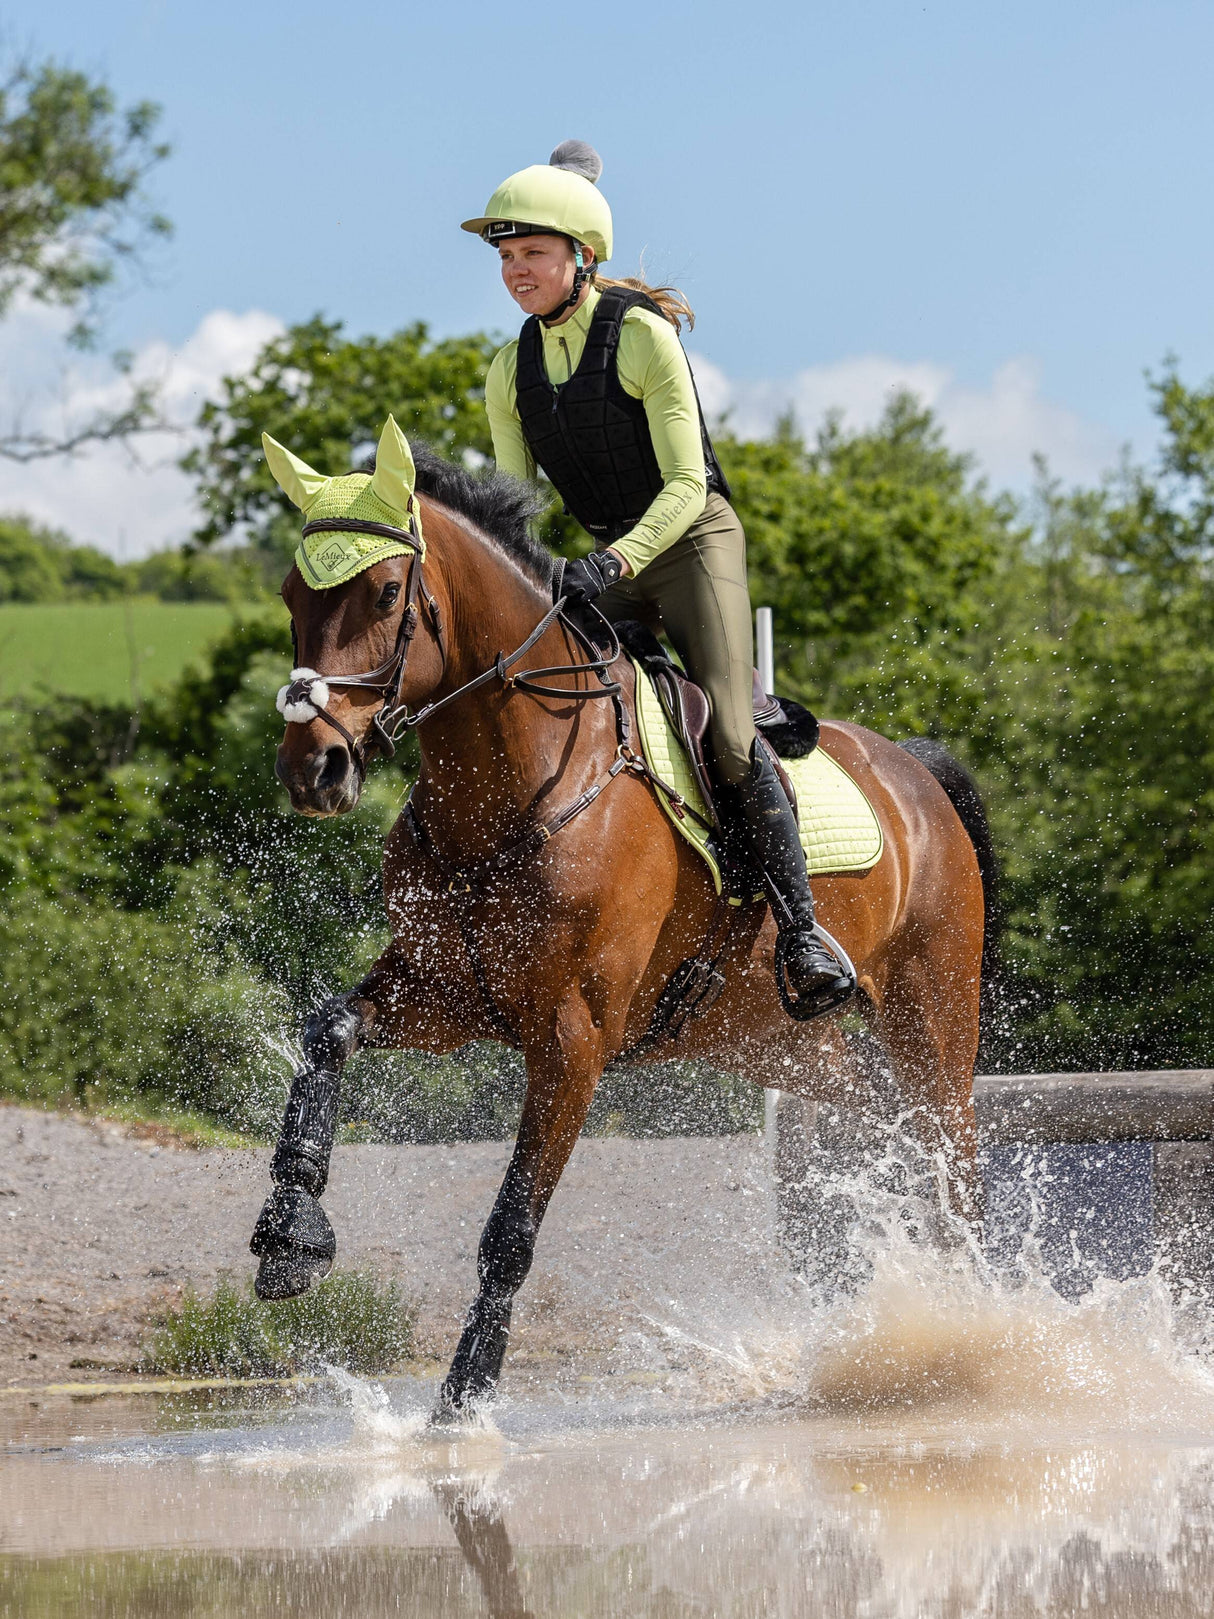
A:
395, 475
297, 480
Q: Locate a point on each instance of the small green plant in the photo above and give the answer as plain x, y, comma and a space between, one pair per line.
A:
351, 1319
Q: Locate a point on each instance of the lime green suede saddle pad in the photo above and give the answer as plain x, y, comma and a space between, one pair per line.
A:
839, 827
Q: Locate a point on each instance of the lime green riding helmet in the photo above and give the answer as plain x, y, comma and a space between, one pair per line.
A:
557, 198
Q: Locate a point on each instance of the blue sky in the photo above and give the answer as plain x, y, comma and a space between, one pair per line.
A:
1009, 205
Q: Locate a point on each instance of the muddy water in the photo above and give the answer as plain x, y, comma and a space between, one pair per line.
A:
338, 1512
954, 1441
947, 1450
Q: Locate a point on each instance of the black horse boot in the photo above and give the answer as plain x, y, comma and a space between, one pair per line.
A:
293, 1238
765, 830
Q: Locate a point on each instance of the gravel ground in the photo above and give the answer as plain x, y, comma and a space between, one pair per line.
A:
99, 1229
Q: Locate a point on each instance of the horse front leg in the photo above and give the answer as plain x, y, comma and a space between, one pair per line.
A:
293, 1238
562, 1072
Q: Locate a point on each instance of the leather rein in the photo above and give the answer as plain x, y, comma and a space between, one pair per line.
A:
392, 719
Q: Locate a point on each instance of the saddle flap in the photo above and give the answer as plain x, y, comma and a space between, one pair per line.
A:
688, 711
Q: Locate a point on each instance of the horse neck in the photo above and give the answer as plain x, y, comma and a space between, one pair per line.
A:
495, 757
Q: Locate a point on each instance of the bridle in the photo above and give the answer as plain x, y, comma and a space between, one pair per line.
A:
392, 718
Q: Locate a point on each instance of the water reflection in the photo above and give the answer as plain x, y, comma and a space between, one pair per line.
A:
315, 1513
485, 1543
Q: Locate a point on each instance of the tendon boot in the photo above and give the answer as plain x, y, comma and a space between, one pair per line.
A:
293, 1238
811, 976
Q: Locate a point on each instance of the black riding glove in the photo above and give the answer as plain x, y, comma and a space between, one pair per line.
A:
590, 576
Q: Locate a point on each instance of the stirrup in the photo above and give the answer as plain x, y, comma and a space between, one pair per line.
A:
804, 1007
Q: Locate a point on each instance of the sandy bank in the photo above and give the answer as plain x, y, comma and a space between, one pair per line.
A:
98, 1230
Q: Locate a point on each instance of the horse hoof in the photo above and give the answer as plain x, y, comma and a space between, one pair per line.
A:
287, 1274
448, 1416
295, 1243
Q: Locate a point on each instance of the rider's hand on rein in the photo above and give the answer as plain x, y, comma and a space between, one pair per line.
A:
590, 576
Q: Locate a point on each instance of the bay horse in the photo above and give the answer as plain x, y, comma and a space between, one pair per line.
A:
538, 893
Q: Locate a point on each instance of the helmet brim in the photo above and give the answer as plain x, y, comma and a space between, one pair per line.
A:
479, 227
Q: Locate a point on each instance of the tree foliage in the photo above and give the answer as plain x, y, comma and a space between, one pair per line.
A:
38, 564
326, 396
74, 210
73, 204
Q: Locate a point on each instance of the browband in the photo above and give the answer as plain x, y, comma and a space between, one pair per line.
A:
357, 525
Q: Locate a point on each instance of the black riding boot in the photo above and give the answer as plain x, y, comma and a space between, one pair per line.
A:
766, 832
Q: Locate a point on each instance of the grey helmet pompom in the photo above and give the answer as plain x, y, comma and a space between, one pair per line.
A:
579, 157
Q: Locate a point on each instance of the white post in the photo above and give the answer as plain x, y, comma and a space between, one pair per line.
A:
765, 659
764, 649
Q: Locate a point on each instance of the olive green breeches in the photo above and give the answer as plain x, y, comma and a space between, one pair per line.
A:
696, 592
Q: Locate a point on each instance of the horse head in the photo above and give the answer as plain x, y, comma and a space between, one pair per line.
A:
353, 594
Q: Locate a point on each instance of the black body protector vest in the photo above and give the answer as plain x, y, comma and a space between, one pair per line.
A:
589, 435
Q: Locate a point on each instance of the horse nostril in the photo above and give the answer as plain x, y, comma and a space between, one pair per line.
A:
329, 768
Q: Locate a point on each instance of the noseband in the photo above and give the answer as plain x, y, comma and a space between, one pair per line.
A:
306, 697
308, 692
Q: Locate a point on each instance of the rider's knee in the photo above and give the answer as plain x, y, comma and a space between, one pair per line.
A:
732, 754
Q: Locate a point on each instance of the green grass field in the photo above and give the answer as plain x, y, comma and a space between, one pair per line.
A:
111, 651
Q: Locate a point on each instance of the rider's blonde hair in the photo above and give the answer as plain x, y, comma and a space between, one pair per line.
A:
670, 300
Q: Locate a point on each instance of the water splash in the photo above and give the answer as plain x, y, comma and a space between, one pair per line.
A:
927, 1332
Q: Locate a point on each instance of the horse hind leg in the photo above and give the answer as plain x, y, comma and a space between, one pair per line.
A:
929, 1022
293, 1239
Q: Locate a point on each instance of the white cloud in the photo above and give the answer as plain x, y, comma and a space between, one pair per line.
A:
131, 501
1003, 424
127, 501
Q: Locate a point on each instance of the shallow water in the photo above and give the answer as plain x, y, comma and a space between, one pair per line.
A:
938, 1447
956, 1440
320, 1508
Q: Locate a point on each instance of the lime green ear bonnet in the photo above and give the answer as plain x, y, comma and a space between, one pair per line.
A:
559, 196
385, 496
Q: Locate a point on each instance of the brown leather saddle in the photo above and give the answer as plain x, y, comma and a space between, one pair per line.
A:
784, 728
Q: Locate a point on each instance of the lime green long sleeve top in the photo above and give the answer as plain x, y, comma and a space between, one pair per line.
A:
652, 368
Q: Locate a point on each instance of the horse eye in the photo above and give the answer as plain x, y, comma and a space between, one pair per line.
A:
388, 595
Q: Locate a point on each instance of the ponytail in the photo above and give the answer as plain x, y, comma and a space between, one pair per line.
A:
671, 303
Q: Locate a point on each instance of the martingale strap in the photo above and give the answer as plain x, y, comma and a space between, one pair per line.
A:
466, 884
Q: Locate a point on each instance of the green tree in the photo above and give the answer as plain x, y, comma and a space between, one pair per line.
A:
864, 531
73, 169
73, 209
326, 396
39, 565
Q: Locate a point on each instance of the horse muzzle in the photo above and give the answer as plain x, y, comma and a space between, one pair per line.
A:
323, 782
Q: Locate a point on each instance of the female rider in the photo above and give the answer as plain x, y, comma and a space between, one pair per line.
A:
597, 392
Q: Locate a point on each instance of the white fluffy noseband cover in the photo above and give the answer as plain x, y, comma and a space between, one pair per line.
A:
303, 699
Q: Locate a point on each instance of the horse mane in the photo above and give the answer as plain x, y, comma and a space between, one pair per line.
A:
500, 506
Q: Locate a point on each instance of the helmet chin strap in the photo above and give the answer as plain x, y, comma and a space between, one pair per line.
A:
581, 274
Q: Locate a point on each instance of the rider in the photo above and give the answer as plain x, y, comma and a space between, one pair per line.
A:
597, 392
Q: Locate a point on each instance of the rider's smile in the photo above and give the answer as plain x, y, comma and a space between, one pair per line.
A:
538, 271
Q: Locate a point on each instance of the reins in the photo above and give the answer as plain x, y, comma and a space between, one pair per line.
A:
392, 718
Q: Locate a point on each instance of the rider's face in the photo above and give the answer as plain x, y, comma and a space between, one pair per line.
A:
538, 271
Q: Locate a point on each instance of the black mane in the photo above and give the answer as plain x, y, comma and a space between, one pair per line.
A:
500, 506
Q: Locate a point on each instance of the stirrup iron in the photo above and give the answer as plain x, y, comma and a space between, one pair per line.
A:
804, 1007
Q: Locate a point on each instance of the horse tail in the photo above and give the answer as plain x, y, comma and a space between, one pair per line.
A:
965, 798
